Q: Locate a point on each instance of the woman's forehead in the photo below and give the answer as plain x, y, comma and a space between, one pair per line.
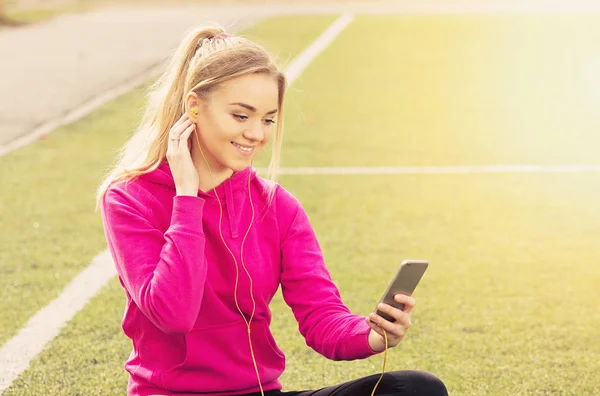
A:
258, 90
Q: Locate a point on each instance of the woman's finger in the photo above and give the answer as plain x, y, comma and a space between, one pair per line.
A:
392, 311
375, 327
185, 136
402, 316
173, 143
177, 130
181, 120
175, 139
408, 301
384, 324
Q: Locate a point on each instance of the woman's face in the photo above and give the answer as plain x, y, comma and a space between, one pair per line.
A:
236, 120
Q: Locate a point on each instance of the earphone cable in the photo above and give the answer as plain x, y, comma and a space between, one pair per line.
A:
248, 322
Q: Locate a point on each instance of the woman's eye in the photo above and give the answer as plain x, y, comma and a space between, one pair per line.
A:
240, 117
271, 121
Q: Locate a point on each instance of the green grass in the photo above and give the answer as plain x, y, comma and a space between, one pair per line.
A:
452, 90
32, 16
51, 9
508, 305
88, 356
509, 300
53, 231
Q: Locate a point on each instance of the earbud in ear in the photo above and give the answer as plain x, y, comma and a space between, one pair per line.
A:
194, 111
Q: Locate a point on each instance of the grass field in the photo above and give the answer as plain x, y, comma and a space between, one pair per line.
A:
509, 303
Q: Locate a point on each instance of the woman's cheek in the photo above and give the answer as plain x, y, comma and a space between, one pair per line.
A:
268, 134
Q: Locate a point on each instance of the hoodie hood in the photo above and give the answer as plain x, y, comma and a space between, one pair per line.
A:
238, 181
226, 191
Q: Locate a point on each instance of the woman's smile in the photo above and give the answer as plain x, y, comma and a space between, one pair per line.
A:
243, 150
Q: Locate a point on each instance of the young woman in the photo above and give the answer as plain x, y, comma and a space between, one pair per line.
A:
201, 243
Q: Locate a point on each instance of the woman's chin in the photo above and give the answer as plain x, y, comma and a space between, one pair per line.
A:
238, 166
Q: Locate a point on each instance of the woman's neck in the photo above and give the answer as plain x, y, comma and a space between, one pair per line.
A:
219, 173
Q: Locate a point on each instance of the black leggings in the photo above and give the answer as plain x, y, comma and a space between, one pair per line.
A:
393, 383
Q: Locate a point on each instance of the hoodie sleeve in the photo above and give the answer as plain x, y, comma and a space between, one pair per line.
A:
326, 323
164, 273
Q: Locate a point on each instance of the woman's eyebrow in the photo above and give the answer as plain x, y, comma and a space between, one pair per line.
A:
251, 108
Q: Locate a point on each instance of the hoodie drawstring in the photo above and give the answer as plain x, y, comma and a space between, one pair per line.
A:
229, 202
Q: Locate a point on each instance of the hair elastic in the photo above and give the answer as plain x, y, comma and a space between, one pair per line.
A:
222, 35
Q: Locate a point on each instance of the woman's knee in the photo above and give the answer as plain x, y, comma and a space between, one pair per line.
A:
417, 382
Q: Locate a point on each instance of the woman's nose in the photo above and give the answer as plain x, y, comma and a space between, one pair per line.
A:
255, 132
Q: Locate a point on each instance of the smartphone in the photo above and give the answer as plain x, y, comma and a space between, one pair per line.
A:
407, 277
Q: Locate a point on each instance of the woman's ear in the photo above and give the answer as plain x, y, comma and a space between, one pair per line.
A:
191, 104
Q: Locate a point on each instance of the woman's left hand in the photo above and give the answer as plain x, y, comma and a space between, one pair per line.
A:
396, 330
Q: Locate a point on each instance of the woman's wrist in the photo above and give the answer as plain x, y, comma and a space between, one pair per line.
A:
188, 192
376, 342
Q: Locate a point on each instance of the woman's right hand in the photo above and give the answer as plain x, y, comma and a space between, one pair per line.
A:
179, 157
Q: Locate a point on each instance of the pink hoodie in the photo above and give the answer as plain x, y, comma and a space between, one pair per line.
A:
188, 335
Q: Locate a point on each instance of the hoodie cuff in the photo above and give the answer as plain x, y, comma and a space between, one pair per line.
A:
359, 347
188, 213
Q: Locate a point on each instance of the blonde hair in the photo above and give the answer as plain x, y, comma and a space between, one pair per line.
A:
206, 58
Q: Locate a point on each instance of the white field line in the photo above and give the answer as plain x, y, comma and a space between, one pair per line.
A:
298, 65
81, 111
18, 352
433, 170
